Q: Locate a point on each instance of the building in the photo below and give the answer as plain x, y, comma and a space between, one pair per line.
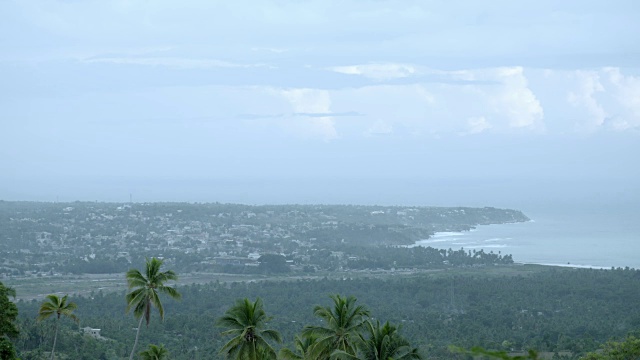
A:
91, 331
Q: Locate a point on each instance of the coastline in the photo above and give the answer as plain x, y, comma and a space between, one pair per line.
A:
551, 242
573, 266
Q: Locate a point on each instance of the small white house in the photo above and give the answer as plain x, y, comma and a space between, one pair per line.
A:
91, 331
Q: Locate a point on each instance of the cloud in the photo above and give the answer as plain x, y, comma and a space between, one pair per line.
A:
588, 86
451, 106
605, 99
310, 101
175, 62
379, 128
477, 125
378, 71
626, 92
489, 33
513, 99
505, 90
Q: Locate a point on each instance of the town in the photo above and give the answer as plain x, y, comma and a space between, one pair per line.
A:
45, 239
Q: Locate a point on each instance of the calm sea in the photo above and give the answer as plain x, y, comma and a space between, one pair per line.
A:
584, 236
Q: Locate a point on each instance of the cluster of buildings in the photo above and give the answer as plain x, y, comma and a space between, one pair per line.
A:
41, 239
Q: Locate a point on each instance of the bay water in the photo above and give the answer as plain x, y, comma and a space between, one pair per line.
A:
599, 236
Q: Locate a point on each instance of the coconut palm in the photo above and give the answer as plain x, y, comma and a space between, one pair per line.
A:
381, 343
341, 328
145, 294
154, 352
302, 349
384, 342
55, 305
246, 322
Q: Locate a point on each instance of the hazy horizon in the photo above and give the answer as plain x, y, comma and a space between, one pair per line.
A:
419, 103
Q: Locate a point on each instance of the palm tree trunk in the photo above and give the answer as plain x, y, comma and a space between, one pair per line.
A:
135, 344
55, 338
255, 352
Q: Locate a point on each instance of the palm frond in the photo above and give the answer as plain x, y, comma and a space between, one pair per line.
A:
135, 278
271, 335
154, 299
135, 297
59, 306
245, 321
171, 291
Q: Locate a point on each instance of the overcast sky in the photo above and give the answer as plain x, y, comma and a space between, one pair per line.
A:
370, 101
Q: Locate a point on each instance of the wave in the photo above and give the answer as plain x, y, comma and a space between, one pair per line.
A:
497, 239
432, 241
573, 265
492, 246
447, 234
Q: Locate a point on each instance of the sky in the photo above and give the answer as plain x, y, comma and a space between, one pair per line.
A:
496, 103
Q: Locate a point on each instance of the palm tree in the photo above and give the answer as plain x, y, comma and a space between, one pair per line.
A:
246, 321
341, 329
302, 345
154, 352
382, 343
146, 293
54, 305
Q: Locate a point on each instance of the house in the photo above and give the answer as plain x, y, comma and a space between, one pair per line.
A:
91, 331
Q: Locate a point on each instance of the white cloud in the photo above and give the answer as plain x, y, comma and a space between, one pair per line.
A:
588, 86
503, 92
626, 91
378, 71
513, 99
310, 101
477, 125
604, 99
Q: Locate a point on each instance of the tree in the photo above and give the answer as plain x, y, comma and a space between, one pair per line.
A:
613, 350
146, 293
7, 350
154, 352
55, 305
341, 329
246, 322
302, 349
271, 263
8, 312
502, 355
382, 343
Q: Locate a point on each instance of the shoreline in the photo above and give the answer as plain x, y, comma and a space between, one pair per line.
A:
573, 266
446, 240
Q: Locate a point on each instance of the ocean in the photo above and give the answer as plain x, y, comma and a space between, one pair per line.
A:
578, 236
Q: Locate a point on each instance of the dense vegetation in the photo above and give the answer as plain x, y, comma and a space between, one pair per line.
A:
8, 316
568, 311
441, 298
